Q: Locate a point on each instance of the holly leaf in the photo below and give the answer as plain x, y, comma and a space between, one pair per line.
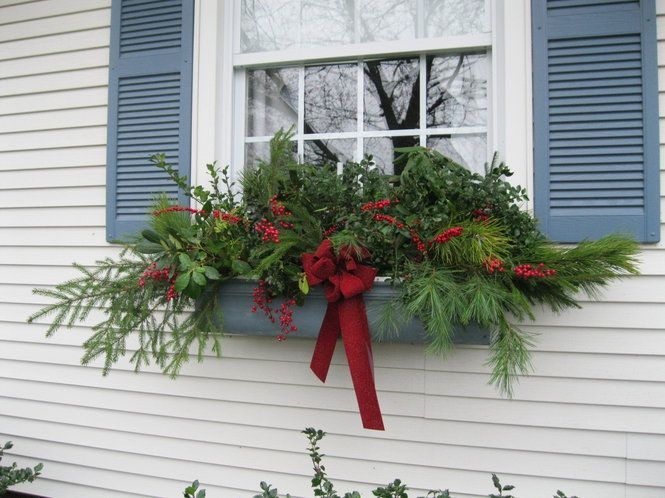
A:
211, 273
199, 278
185, 261
182, 282
241, 267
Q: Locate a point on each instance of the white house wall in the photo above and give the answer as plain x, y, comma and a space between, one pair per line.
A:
590, 421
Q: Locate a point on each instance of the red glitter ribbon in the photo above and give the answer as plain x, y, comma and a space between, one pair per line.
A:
344, 281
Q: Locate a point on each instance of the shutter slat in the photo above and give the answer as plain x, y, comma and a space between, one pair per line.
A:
149, 106
606, 184
596, 142
156, 33
607, 83
624, 168
591, 91
585, 132
577, 177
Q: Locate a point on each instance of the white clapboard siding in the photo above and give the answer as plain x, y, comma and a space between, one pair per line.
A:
53, 120
77, 21
57, 43
52, 63
66, 80
62, 157
590, 421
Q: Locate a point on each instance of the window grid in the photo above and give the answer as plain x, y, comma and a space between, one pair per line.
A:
474, 43
423, 132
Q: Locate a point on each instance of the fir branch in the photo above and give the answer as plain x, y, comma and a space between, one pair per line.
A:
164, 329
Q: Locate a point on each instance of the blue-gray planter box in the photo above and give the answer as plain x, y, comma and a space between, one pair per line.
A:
235, 299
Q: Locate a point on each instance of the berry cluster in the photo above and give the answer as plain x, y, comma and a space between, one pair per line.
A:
286, 319
173, 209
268, 231
277, 208
493, 265
330, 231
527, 271
446, 235
388, 219
382, 204
228, 217
286, 224
162, 275
263, 302
153, 273
480, 215
171, 293
417, 241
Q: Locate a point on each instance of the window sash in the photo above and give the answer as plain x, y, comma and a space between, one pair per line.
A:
357, 53
463, 43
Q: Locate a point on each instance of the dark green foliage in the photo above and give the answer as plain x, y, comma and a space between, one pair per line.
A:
12, 474
193, 491
561, 494
393, 490
500, 488
323, 486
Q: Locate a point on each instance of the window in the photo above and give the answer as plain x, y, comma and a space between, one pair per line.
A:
363, 77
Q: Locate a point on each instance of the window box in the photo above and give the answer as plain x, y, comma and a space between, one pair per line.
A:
235, 299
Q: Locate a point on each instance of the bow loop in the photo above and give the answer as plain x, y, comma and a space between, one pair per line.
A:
342, 274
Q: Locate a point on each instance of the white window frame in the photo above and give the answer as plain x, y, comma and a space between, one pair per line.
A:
218, 110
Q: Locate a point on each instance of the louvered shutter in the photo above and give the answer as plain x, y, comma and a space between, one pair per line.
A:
596, 157
149, 111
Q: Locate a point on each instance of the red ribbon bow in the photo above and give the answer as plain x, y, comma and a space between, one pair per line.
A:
344, 281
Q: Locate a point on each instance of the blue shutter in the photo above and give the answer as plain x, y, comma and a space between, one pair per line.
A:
150, 93
595, 93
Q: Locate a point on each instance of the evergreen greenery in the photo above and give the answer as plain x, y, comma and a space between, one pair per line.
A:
459, 248
323, 487
12, 474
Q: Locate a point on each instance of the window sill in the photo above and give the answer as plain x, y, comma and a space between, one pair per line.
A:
236, 302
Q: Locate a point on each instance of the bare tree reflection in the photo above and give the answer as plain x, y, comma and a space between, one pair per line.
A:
456, 97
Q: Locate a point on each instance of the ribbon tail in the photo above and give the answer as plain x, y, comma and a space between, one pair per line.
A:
358, 347
325, 343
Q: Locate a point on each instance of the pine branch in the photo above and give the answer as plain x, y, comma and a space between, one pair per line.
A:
510, 356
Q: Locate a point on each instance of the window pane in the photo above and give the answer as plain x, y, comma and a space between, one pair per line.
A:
454, 17
392, 94
329, 151
457, 90
255, 152
467, 150
260, 151
385, 20
330, 98
328, 22
284, 24
272, 100
269, 24
383, 150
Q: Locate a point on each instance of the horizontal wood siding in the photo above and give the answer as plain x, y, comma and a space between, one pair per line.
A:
590, 421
